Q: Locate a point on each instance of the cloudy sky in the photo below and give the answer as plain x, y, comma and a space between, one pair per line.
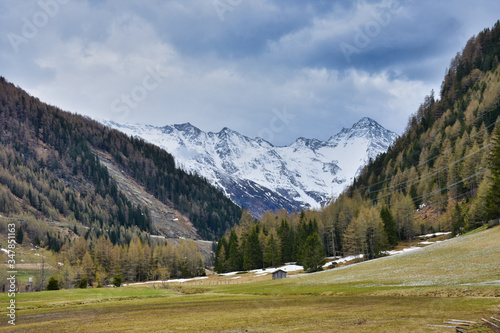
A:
269, 68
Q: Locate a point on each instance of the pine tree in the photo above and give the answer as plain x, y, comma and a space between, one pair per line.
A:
252, 257
117, 279
314, 254
300, 240
19, 236
285, 234
53, 284
493, 194
389, 226
457, 220
220, 263
271, 252
234, 257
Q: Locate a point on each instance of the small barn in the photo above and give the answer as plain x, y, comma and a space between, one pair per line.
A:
279, 274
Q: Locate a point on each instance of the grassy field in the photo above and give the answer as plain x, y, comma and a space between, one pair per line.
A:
457, 279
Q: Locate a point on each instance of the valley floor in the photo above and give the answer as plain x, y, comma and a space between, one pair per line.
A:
145, 309
457, 279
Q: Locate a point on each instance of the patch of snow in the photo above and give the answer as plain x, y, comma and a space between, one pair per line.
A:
434, 234
166, 281
187, 280
349, 258
286, 268
407, 250
157, 236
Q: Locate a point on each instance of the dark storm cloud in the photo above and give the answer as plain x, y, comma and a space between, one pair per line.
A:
235, 63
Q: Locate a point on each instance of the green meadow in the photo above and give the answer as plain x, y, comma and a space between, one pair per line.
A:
456, 279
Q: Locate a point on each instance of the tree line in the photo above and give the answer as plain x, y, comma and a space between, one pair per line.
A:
258, 245
85, 257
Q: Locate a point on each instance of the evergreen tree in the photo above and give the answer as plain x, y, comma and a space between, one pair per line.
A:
220, 262
271, 252
457, 221
252, 258
82, 283
285, 234
19, 236
53, 284
118, 279
300, 240
493, 194
234, 257
389, 226
314, 253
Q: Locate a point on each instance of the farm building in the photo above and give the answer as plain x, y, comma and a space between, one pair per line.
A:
279, 274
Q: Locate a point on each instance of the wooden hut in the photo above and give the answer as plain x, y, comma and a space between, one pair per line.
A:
279, 274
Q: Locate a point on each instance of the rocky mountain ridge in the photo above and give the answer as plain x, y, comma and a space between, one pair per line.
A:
259, 176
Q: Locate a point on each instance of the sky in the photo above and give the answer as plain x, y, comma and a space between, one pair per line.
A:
265, 68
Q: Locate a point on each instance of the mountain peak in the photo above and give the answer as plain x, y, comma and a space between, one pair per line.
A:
366, 121
227, 130
186, 127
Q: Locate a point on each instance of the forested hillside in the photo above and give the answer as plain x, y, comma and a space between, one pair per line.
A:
442, 174
49, 169
441, 161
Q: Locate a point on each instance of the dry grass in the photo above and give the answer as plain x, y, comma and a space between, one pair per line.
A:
473, 259
393, 294
169, 312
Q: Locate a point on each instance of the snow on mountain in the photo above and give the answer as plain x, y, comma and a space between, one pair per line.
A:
260, 176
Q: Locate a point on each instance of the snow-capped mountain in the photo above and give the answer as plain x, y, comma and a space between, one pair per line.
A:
260, 176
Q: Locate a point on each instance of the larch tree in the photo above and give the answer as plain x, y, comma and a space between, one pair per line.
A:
493, 194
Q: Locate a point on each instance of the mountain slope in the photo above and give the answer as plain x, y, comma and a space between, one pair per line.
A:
59, 166
442, 158
260, 176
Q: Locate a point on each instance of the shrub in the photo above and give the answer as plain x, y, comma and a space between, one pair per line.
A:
53, 284
117, 280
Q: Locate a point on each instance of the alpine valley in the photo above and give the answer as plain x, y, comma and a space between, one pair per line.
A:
260, 176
